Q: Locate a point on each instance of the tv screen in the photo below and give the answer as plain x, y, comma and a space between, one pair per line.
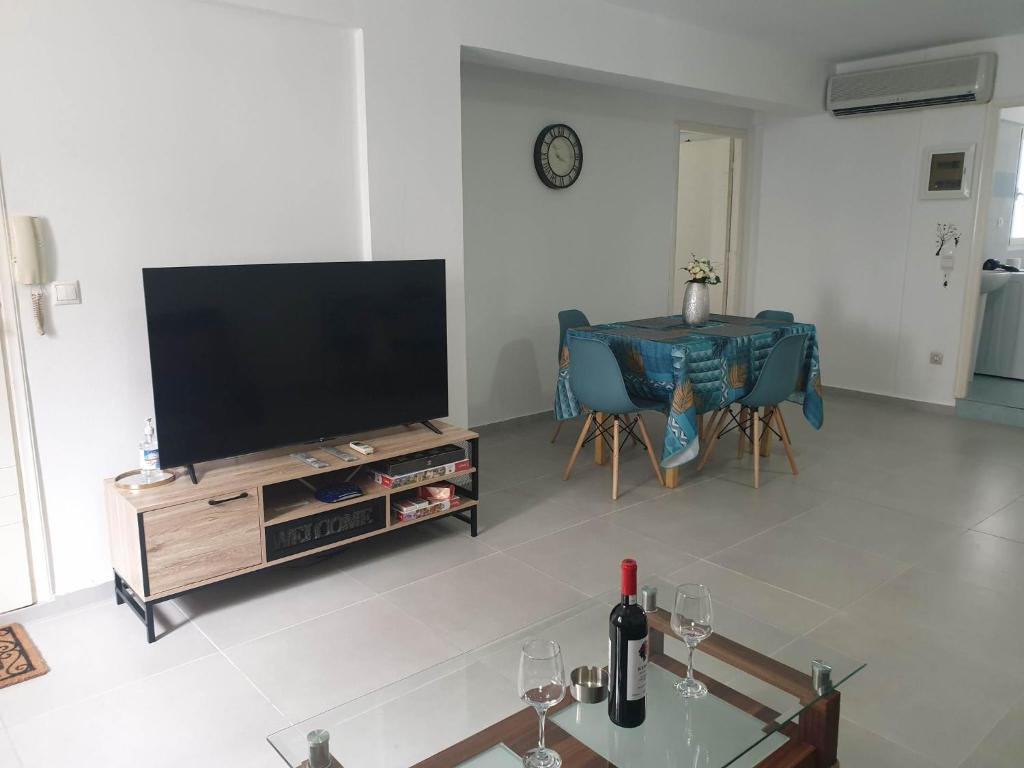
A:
246, 358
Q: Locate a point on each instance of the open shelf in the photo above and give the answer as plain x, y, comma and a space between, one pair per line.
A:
441, 479
292, 500
466, 503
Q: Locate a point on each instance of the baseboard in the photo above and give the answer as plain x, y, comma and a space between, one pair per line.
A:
497, 427
918, 405
60, 604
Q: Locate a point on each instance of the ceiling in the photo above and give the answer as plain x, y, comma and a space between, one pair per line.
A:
844, 30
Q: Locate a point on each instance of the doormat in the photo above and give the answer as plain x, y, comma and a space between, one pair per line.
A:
19, 658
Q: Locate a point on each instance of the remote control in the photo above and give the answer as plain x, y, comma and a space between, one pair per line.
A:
364, 448
337, 452
313, 461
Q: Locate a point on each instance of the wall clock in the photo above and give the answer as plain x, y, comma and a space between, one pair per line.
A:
558, 156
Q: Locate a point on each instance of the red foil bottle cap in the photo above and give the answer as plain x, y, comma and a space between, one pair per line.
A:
629, 576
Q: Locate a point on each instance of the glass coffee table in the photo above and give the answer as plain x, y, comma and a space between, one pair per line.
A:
760, 712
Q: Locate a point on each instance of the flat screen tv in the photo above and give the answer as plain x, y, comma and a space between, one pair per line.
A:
248, 358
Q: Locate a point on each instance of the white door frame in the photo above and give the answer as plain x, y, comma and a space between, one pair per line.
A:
737, 212
13, 350
972, 287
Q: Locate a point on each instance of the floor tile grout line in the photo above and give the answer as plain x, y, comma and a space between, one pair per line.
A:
461, 650
822, 537
293, 625
493, 551
989, 732
846, 608
233, 665
28, 623
899, 744
360, 601
994, 535
767, 583
121, 686
382, 594
389, 699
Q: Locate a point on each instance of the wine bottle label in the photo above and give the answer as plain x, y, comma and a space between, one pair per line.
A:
636, 669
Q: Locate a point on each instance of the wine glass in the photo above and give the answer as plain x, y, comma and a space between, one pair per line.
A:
691, 621
541, 684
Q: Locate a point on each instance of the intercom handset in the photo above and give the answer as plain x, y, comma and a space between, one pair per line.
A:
28, 262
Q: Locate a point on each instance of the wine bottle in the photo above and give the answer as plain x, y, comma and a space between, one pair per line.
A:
627, 655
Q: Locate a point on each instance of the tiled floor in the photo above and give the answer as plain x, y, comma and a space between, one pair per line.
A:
900, 543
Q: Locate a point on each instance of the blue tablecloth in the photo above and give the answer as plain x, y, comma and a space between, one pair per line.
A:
694, 370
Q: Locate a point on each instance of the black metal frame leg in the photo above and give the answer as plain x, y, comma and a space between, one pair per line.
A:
125, 594
474, 491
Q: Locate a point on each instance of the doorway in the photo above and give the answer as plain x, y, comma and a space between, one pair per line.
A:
15, 568
24, 569
995, 370
707, 213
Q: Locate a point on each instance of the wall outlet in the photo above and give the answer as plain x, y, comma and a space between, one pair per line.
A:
935, 358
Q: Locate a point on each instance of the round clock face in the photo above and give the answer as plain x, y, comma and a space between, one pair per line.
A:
558, 156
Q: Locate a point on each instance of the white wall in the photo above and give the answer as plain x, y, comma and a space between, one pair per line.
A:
605, 245
158, 134
174, 131
845, 242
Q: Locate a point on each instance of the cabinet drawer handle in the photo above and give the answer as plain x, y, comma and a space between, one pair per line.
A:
215, 502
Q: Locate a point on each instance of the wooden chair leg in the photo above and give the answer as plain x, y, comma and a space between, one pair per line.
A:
579, 445
600, 456
742, 439
757, 442
717, 422
650, 447
672, 477
615, 457
777, 414
558, 428
766, 434
782, 421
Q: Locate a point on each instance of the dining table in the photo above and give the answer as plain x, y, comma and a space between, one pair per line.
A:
693, 370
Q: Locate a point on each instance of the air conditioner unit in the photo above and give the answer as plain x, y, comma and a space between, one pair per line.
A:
962, 80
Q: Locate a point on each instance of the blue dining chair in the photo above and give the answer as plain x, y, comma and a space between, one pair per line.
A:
567, 319
775, 314
596, 381
776, 382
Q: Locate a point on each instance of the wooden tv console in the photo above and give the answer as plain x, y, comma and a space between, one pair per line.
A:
252, 512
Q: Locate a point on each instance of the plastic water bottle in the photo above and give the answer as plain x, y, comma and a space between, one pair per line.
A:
149, 454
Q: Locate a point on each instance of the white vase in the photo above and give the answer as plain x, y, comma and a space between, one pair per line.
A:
696, 304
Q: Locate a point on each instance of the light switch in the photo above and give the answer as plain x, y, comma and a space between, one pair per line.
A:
66, 293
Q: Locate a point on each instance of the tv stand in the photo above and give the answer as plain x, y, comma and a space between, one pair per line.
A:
255, 512
191, 469
431, 427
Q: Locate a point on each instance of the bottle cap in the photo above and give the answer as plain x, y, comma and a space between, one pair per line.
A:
649, 599
629, 576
